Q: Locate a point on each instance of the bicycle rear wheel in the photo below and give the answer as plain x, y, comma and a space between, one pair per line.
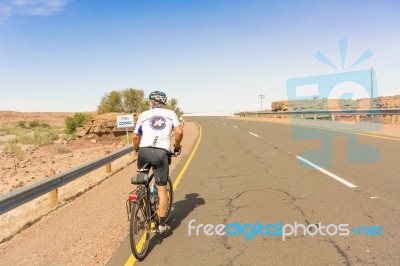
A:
170, 198
139, 228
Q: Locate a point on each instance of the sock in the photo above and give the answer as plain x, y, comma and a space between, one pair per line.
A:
162, 221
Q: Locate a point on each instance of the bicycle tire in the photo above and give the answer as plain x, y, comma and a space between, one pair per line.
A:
139, 228
170, 198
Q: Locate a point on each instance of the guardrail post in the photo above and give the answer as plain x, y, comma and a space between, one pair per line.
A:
333, 117
302, 116
315, 117
53, 195
393, 119
108, 166
357, 118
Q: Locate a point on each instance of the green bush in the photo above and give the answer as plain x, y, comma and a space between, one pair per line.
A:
13, 149
21, 124
44, 136
45, 125
17, 131
25, 139
33, 124
78, 120
37, 133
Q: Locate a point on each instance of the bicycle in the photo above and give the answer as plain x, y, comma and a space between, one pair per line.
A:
142, 209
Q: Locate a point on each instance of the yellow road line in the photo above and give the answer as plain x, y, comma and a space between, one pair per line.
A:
178, 179
131, 260
346, 131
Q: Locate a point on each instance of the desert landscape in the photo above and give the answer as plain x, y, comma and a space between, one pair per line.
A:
33, 162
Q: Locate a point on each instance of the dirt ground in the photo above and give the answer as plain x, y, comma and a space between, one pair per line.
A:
37, 161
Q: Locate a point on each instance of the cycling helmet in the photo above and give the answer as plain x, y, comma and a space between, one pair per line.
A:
158, 97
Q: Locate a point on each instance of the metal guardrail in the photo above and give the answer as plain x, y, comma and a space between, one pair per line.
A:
20, 196
389, 111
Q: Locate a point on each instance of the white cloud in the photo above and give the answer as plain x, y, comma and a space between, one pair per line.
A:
30, 8
39, 7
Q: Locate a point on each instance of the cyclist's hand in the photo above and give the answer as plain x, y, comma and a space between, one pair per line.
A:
177, 150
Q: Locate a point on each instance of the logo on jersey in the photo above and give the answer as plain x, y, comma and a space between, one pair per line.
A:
158, 122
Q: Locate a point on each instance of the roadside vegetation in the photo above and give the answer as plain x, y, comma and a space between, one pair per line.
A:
130, 101
78, 120
124, 139
33, 133
14, 151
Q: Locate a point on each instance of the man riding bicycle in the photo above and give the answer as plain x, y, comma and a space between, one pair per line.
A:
152, 141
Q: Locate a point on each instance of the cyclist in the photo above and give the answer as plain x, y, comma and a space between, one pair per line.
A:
151, 139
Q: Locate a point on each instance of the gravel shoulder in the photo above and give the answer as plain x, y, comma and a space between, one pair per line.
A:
89, 229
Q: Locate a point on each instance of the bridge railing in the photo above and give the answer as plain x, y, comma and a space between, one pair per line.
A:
393, 112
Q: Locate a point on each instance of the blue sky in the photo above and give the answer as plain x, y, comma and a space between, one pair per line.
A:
212, 55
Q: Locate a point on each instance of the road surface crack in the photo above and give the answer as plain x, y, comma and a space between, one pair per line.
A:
340, 251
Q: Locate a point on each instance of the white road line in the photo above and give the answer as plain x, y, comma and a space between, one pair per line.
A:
341, 180
255, 135
235, 126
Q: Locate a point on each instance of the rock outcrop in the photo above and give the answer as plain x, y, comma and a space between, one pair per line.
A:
101, 126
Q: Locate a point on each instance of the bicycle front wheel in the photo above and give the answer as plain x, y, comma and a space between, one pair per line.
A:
170, 198
139, 228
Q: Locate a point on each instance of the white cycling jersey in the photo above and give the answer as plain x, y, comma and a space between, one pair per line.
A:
155, 126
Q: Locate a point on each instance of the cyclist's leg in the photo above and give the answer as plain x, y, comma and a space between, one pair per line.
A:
162, 208
161, 172
163, 197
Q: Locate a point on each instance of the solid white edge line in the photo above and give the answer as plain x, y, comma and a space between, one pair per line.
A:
341, 180
255, 135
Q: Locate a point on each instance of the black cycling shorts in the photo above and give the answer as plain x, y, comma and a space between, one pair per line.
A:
159, 160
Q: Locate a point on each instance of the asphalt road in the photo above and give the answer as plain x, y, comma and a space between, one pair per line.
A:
246, 172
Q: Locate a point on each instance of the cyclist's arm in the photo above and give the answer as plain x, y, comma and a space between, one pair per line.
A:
136, 141
178, 136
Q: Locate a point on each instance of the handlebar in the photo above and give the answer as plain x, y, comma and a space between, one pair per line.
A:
176, 152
